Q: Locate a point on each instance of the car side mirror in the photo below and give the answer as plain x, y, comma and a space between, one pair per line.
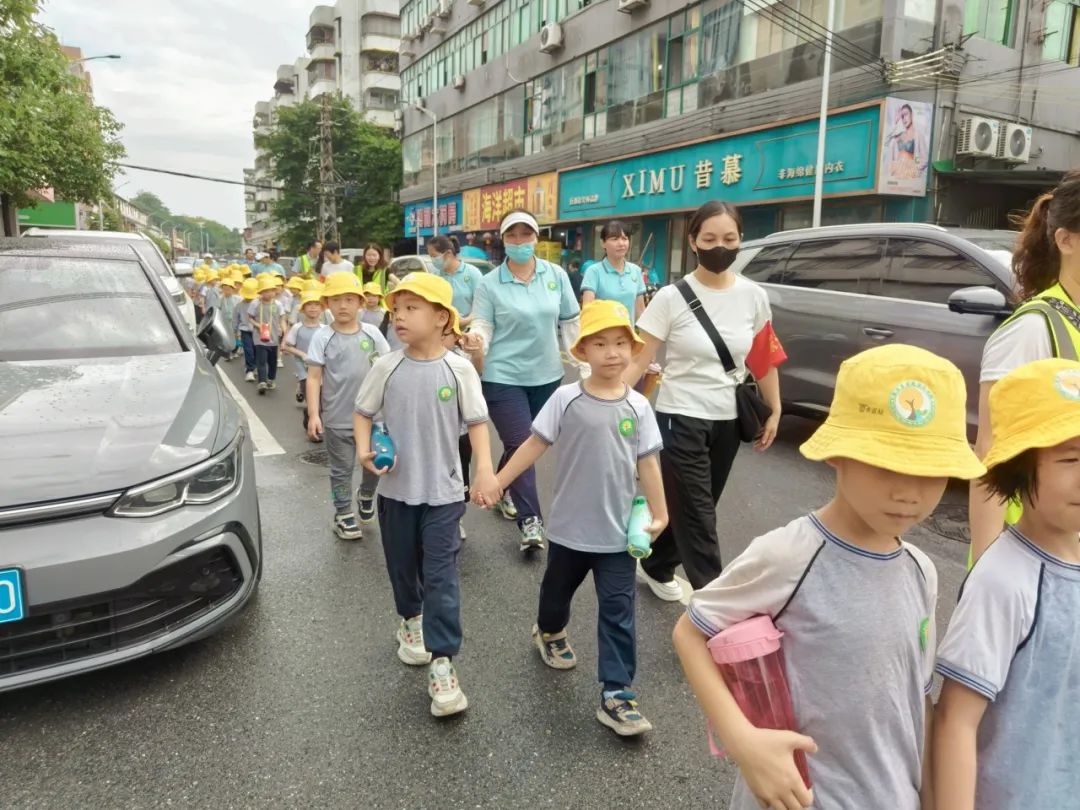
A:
980, 301
215, 335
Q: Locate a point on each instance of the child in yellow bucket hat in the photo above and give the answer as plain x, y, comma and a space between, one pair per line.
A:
855, 603
298, 340
249, 291
607, 438
267, 319
424, 393
1008, 721
376, 313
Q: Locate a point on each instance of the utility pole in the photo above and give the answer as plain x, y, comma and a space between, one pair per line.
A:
328, 179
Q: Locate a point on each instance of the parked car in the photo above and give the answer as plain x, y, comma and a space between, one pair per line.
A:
147, 250
129, 516
836, 291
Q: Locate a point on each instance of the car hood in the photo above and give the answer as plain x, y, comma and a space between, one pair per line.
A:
81, 427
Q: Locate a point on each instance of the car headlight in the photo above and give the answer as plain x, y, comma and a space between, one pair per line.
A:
204, 483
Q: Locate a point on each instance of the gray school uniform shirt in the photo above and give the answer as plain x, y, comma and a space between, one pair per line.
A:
346, 361
424, 403
600, 442
1015, 639
262, 312
299, 337
859, 650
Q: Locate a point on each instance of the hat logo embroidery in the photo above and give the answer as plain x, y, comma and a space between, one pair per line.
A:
1067, 383
913, 404
445, 394
620, 311
626, 426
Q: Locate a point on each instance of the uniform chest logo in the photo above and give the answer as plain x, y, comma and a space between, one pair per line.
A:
552, 286
913, 404
627, 426
366, 344
445, 393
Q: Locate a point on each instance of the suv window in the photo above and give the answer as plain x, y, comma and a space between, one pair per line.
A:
768, 264
409, 264
93, 308
929, 272
838, 265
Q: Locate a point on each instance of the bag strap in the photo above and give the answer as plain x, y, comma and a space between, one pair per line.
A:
696, 307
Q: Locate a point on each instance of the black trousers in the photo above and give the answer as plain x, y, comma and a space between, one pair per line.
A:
695, 462
465, 452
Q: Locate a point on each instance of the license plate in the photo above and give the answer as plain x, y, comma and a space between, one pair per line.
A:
12, 606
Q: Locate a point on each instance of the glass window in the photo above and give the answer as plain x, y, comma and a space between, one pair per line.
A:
1062, 32
836, 265
636, 78
768, 264
929, 272
95, 308
990, 19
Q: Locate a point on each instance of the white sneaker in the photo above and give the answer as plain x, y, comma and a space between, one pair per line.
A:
532, 534
280, 362
505, 507
464, 535
444, 689
668, 591
410, 637
249, 377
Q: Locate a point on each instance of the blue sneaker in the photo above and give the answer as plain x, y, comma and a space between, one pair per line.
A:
619, 713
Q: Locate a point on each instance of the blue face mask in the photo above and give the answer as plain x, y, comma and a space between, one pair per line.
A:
521, 254
439, 262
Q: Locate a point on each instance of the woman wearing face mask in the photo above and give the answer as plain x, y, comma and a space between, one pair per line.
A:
518, 310
464, 278
614, 278
696, 405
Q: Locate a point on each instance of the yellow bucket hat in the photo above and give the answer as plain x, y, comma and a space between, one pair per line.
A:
266, 282
245, 270
900, 408
278, 280
598, 315
199, 274
1035, 406
373, 288
431, 288
312, 284
342, 283
249, 289
311, 296
295, 283
212, 275
229, 281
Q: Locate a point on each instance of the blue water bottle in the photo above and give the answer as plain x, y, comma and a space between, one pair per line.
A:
383, 446
638, 540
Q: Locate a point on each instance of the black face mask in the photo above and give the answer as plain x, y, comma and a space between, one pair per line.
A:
717, 259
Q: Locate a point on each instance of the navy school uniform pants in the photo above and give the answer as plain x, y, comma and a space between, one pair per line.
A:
421, 545
248, 341
614, 579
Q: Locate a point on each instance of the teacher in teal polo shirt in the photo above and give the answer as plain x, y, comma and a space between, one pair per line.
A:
519, 312
614, 278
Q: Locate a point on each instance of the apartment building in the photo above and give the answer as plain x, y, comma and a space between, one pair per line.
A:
352, 52
643, 109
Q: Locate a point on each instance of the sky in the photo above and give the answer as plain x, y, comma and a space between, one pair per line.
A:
186, 86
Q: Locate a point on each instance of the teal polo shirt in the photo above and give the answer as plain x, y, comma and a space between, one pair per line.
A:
464, 281
608, 284
524, 346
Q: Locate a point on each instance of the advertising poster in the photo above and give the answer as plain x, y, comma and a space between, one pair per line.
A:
905, 147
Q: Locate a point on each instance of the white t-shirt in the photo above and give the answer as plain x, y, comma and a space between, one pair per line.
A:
344, 266
695, 383
1025, 340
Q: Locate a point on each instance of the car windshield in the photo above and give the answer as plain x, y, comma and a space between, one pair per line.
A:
63, 307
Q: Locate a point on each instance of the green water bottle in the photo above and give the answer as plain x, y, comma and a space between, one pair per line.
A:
638, 539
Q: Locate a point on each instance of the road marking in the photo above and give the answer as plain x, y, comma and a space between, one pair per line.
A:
265, 443
687, 590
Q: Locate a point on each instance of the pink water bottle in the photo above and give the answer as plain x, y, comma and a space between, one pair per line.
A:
752, 663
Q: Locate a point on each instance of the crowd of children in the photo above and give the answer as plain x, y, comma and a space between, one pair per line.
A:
854, 602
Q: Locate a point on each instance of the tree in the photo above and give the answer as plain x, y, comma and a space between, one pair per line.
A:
367, 158
51, 132
223, 239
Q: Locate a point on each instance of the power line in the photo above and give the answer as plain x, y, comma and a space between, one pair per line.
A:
198, 176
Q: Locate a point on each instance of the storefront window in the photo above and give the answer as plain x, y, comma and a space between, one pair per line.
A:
990, 19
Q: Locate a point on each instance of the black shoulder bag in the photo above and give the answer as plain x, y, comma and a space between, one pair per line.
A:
751, 410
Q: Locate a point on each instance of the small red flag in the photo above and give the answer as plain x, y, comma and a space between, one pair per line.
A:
765, 352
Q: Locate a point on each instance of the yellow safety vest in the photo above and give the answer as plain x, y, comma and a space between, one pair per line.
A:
1063, 322
305, 266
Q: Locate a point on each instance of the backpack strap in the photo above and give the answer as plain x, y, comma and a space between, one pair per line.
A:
1056, 312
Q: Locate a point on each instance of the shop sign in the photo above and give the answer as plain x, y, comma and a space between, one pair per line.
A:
485, 207
761, 166
543, 198
422, 216
48, 215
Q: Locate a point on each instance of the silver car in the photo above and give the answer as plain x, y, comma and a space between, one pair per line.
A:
836, 291
129, 519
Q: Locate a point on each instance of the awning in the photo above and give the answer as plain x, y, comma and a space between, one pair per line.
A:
1038, 179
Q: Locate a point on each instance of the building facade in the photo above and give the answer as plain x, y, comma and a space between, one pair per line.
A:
352, 52
642, 109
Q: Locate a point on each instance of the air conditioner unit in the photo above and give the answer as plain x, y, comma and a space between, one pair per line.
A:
459, 81
1014, 143
627, 6
408, 50
444, 8
438, 27
551, 38
977, 136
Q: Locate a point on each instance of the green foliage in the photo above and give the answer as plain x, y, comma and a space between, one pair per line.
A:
367, 158
223, 239
51, 133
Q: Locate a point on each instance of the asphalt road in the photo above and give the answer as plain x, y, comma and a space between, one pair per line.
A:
303, 703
